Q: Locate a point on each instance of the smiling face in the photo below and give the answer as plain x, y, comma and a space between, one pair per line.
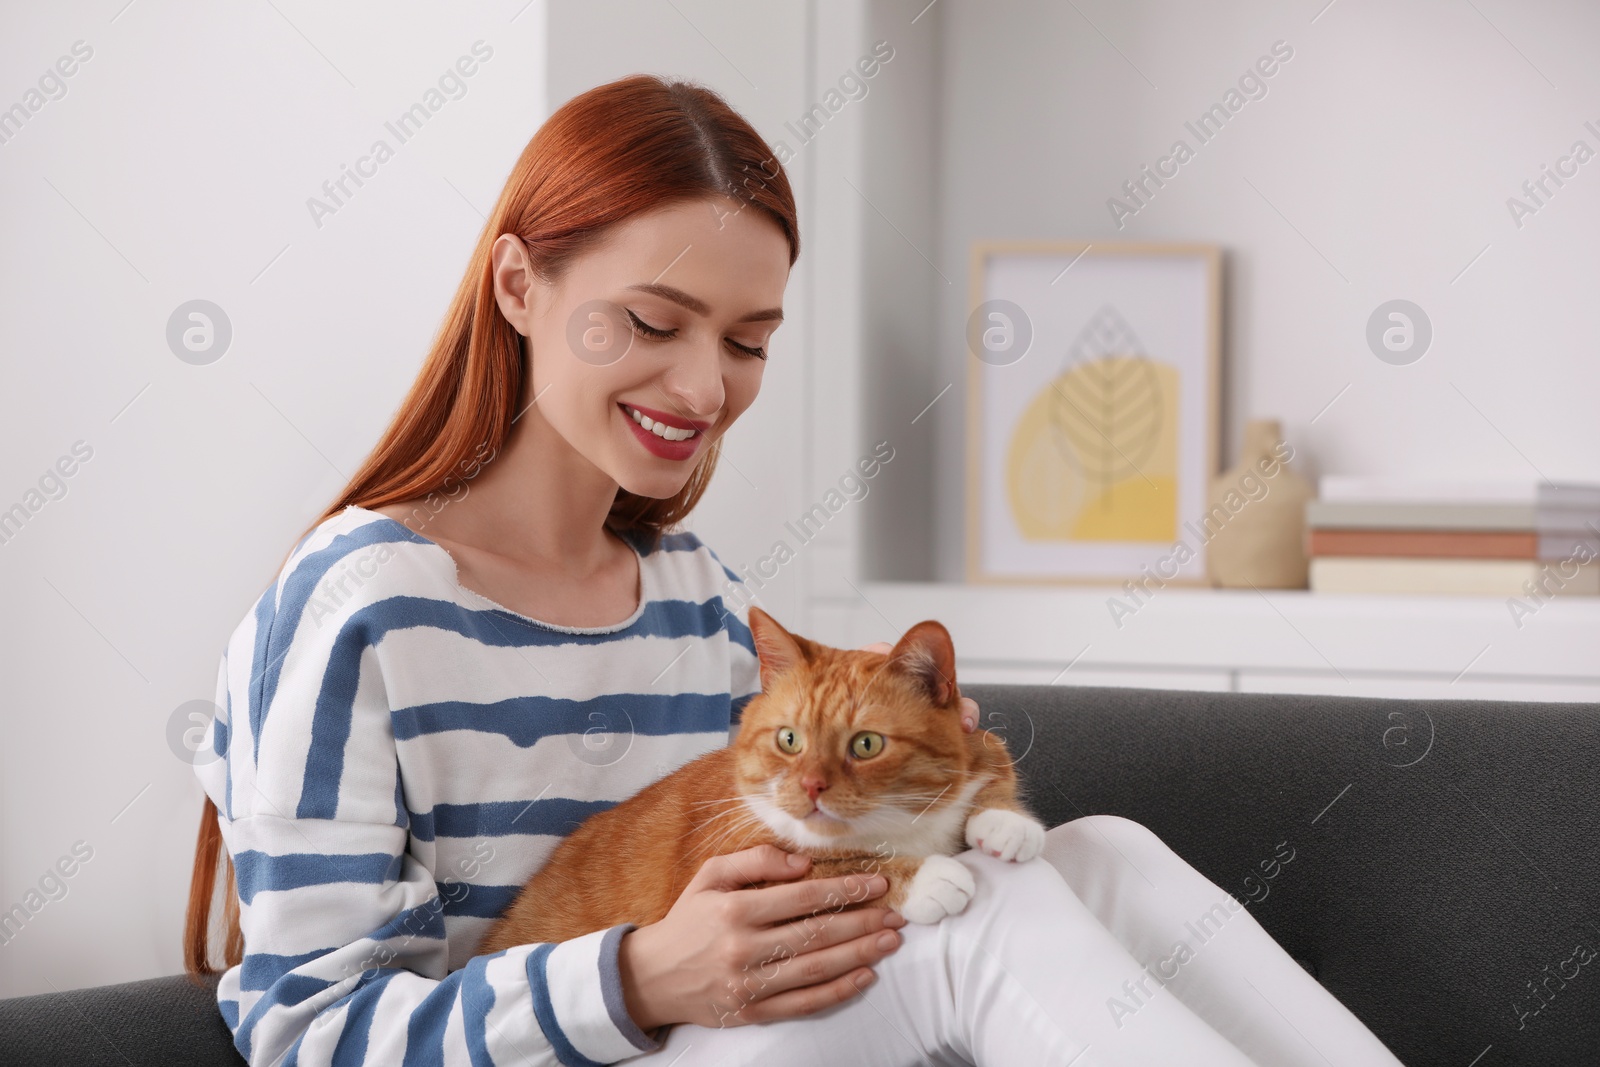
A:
653, 341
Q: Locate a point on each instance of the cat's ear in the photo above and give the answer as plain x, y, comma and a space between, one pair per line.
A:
926, 654
777, 649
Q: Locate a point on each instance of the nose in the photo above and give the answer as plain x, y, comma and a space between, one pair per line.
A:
813, 785
693, 385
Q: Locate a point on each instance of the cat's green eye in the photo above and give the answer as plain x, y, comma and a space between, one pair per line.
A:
866, 744
788, 739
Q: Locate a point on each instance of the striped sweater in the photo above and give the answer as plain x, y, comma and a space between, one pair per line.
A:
395, 754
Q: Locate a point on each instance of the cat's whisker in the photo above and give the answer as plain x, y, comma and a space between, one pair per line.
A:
728, 809
713, 846
709, 846
725, 801
723, 812
719, 847
722, 820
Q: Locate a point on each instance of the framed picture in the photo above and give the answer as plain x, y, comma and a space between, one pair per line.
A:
1092, 410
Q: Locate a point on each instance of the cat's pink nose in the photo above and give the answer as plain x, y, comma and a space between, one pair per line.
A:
813, 786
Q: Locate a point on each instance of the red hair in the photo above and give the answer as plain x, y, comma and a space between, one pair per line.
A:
617, 151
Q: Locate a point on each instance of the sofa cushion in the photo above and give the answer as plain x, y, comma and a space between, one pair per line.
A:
162, 1022
1444, 885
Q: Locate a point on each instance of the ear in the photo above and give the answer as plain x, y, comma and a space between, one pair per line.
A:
516, 288
777, 649
927, 655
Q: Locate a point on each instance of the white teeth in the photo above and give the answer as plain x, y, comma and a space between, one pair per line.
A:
670, 433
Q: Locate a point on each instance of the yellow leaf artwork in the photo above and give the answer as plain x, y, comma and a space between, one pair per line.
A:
1094, 456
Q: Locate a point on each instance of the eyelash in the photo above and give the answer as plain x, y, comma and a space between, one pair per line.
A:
661, 335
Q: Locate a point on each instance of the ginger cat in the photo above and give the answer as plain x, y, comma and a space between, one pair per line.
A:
856, 758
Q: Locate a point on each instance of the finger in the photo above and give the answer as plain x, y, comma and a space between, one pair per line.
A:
738, 870
878, 646
775, 903
969, 714
806, 1001
815, 932
809, 983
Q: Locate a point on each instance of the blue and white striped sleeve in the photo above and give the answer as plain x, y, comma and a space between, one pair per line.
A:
345, 948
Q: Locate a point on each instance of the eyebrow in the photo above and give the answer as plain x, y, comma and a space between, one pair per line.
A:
700, 307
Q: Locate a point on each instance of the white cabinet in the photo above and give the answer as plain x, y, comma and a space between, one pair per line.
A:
1283, 641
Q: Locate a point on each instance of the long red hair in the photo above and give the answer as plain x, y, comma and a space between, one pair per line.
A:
614, 152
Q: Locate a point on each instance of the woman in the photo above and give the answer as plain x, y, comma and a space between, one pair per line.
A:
438, 688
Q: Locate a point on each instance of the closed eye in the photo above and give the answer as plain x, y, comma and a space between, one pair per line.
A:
655, 333
647, 329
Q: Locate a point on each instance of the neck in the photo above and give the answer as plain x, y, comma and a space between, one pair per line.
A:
537, 501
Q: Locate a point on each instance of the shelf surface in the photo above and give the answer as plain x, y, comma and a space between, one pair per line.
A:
1270, 631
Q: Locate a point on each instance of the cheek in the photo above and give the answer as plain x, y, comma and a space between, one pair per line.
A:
568, 402
581, 390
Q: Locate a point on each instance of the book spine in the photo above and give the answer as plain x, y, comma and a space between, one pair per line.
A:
1385, 516
1450, 544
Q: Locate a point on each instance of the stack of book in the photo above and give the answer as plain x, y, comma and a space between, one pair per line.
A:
1511, 539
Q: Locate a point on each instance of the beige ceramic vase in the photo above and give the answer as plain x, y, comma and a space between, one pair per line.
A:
1255, 516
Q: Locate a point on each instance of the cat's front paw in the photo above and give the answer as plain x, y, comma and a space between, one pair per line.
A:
1006, 834
942, 886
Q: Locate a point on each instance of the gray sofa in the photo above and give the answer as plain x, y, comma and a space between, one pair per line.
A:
1444, 872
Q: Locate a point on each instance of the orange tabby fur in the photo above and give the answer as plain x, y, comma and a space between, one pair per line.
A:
927, 792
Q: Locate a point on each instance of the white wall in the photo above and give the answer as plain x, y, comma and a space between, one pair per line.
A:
177, 166
899, 233
1390, 141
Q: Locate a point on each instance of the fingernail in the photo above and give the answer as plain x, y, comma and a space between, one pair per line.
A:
877, 883
797, 860
864, 980
887, 941
894, 920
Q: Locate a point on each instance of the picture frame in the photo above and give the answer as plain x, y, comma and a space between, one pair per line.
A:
1093, 395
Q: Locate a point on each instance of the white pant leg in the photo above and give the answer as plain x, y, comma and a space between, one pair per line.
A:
1237, 977
1024, 976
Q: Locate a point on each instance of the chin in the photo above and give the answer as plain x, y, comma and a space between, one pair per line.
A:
658, 488
820, 831
642, 487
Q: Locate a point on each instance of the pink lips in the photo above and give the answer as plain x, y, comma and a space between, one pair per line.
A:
660, 446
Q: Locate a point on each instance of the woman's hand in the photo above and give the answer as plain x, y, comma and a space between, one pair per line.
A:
717, 959
969, 707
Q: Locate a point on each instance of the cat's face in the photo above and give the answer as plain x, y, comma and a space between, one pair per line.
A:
852, 749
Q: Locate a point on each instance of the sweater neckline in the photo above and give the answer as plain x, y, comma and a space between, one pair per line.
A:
646, 586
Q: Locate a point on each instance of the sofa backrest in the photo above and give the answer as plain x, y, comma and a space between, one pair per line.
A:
1445, 880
